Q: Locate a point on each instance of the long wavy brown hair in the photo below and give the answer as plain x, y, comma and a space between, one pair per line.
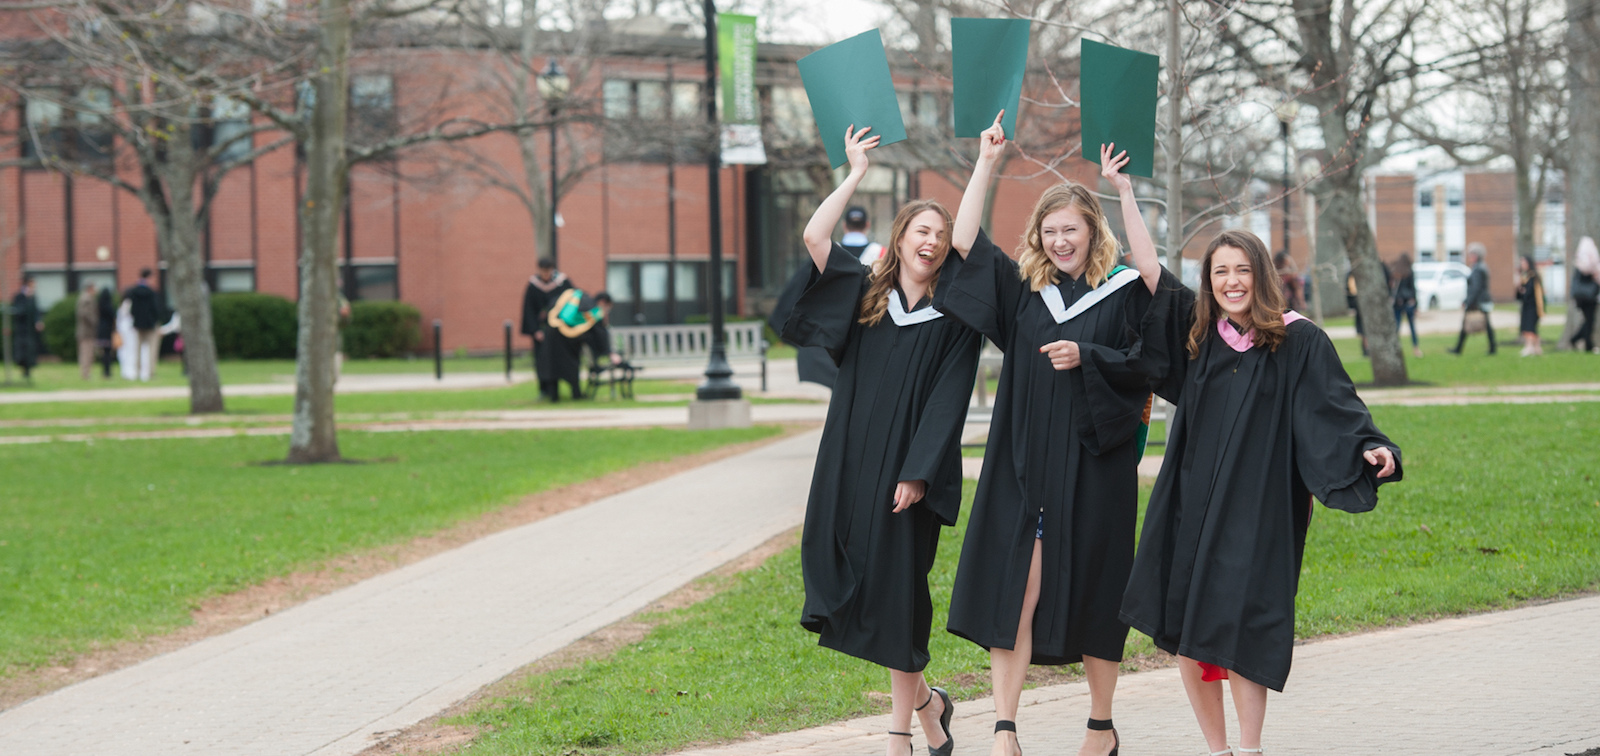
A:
886, 271
1266, 294
1034, 264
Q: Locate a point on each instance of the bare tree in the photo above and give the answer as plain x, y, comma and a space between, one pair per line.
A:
136, 121
1583, 145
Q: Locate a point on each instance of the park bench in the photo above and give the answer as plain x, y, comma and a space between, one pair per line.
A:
680, 345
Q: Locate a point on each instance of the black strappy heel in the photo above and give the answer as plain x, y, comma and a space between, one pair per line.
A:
1105, 724
908, 739
944, 722
1006, 725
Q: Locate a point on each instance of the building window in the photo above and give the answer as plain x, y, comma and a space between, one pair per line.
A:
1425, 198
230, 279
93, 120
372, 106
1453, 196
651, 97
618, 99
230, 129
44, 128
685, 100
50, 287
792, 122
372, 281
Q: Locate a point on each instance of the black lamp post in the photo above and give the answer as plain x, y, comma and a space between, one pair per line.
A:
718, 383
553, 85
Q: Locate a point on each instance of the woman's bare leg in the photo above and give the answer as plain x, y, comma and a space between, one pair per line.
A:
1008, 668
1102, 675
907, 691
1206, 700
1250, 703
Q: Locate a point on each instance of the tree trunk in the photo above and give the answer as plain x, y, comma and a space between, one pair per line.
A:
179, 233
1174, 140
521, 100
314, 437
1348, 216
1583, 147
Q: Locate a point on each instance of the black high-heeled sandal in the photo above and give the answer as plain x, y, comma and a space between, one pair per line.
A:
908, 739
1006, 725
1105, 724
944, 722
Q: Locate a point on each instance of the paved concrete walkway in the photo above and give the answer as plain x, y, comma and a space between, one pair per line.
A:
322, 677
1520, 682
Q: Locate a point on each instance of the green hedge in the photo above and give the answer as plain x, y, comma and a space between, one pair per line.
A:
254, 326
382, 329
61, 329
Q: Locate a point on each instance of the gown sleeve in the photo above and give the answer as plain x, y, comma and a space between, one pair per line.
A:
1162, 350
828, 304
939, 424
1332, 428
1114, 381
986, 292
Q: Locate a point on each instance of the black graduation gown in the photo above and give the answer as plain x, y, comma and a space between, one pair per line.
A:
565, 353
1061, 443
896, 414
535, 311
814, 364
1531, 294
24, 330
1254, 436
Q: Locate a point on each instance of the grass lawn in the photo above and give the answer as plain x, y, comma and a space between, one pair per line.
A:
1474, 367
1500, 504
55, 376
118, 540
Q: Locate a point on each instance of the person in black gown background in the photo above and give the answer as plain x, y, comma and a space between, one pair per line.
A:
1050, 541
576, 320
1266, 418
1530, 292
888, 472
544, 287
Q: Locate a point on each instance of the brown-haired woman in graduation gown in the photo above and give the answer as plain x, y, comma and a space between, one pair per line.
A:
1050, 540
1266, 418
888, 472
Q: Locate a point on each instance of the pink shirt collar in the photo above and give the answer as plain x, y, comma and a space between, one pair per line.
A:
1241, 342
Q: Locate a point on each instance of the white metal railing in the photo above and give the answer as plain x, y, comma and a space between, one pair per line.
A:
688, 343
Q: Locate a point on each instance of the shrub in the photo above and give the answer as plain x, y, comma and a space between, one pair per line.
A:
254, 326
61, 329
382, 329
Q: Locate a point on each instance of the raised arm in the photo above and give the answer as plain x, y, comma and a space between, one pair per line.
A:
969, 216
819, 231
1140, 246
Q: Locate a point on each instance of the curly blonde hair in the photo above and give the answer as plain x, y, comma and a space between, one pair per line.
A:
1034, 264
886, 271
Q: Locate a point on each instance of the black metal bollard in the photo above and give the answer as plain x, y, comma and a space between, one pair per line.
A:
508, 351
438, 351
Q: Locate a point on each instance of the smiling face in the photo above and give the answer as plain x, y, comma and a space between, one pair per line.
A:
1232, 282
923, 245
1065, 236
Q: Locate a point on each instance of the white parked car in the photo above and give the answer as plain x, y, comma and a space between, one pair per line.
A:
1440, 285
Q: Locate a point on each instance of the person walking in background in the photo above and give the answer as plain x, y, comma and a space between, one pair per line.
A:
86, 327
1586, 291
145, 308
544, 287
1404, 294
105, 326
1530, 292
855, 239
1353, 303
1293, 285
1478, 299
26, 325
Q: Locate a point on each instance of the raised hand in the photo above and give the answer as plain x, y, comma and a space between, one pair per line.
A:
856, 144
1111, 168
992, 141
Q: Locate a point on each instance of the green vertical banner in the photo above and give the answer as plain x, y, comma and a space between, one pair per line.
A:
741, 107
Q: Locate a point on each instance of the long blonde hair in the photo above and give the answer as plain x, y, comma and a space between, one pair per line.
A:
886, 271
1266, 294
1034, 264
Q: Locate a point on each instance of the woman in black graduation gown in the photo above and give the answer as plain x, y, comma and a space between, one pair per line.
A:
1051, 536
888, 470
1530, 292
1266, 418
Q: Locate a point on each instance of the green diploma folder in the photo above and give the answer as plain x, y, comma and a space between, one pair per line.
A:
848, 84
988, 58
1118, 104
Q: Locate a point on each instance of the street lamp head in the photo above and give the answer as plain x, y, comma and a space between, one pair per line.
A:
1287, 110
553, 82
